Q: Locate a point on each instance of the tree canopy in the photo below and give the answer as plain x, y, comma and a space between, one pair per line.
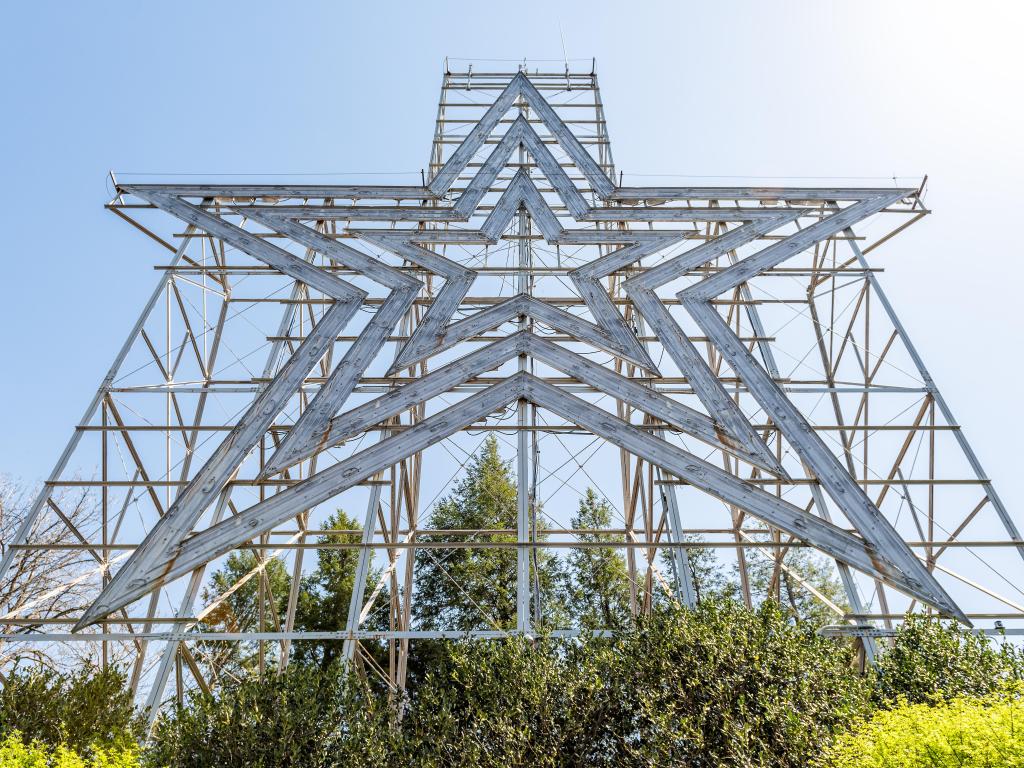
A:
466, 588
326, 593
597, 582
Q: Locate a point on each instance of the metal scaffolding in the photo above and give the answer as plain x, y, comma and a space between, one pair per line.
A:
721, 363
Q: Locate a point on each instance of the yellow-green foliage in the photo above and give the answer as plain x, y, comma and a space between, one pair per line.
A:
14, 753
981, 732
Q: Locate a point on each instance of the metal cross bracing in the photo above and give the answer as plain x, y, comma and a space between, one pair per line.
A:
720, 363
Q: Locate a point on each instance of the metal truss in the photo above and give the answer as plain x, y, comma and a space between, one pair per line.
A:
727, 354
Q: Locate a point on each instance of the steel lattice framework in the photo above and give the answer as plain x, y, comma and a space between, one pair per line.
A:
727, 354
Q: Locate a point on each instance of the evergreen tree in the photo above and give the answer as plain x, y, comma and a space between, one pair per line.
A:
707, 573
239, 610
323, 602
470, 589
326, 594
597, 592
711, 581
786, 585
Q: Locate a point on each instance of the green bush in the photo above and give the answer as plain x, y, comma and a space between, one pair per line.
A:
306, 717
930, 658
979, 732
15, 753
80, 710
719, 685
722, 685
501, 703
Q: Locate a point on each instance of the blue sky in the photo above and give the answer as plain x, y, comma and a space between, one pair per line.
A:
790, 89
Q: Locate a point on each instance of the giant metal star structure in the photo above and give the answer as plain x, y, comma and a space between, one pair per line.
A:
170, 550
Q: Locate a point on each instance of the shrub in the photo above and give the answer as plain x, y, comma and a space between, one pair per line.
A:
979, 732
15, 753
714, 686
501, 703
722, 685
305, 717
719, 685
80, 710
930, 658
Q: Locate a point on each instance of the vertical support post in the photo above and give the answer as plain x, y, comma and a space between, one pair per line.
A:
104, 521
686, 592
523, 457
522, 443
355, 605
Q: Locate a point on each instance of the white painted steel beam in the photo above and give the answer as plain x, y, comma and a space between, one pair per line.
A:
521, 191
458, 279
170, 550
522, 133
332, 395
843, 488
641, 290
316, 489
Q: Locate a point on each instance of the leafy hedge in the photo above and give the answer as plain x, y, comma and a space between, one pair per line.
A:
975, 732
716, 686
720, 685
87, 711
305, 716
930, 659
16, 753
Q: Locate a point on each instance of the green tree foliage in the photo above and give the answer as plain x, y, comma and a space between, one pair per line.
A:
707, 574
322, 606
713, 687
306, 717
240, 609
597, 589
84, 710
466, 589
326, 593
930, 658
16, 753
964, 732
717, 686
788, 585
